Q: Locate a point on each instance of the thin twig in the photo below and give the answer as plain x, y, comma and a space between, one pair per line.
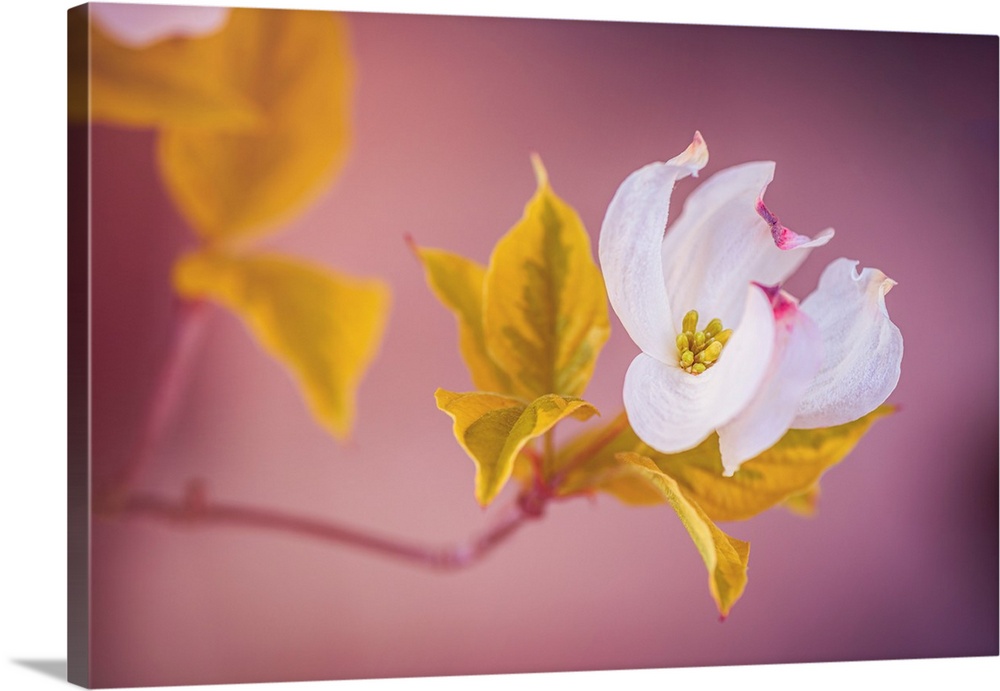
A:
185, 337
195, 510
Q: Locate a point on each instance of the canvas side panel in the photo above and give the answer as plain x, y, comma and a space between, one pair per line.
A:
78, 351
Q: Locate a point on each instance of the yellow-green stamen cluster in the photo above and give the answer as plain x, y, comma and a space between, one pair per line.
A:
699, 350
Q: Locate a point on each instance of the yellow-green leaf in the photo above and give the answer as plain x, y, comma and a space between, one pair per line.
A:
545, 310
325, 327
173, 83
583, 460
493, 429
294, 67
458, 284
725, 557
577, 461
789, 468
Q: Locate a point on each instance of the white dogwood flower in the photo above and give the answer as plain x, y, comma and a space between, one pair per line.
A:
724, 349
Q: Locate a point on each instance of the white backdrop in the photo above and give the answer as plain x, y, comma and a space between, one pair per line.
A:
32, 366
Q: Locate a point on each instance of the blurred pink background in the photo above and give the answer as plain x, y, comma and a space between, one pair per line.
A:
889, 138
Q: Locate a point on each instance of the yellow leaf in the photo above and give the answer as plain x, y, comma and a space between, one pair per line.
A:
458, 284
545, 310
725, 557
180, 82
493, 429
805, 503
294, 67
631, 489
584, 459
791, 467
323, 326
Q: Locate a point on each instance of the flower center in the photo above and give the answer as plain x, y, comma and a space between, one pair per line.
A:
699, 350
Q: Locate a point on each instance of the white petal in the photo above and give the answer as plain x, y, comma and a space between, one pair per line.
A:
798, 354
629, 249
673, 410
725, 238
694, 157
862, 348
138, 26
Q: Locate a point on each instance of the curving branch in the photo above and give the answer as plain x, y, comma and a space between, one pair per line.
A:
195, 510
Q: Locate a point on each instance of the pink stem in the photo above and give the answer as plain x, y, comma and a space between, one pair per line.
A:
196, 510
184, 340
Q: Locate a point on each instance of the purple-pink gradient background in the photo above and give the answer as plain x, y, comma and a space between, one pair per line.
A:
889, 138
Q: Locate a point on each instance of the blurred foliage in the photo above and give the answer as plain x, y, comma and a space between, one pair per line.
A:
252, 122
323, 326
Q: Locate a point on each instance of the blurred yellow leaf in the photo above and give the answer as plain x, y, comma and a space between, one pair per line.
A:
524, 470
805, 503
545, 311
725, 557
171, 83
789, 468
493, 429
592, 451
458, 284
324, 326
254, 119
582, 462
295, 67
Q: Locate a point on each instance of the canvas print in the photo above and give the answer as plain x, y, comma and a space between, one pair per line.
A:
410, 345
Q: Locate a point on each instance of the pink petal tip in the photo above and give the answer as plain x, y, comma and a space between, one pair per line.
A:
785, 238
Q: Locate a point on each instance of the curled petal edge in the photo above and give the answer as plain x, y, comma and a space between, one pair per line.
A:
862, 348
629, 248
724, 238
694, 157
785, 238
